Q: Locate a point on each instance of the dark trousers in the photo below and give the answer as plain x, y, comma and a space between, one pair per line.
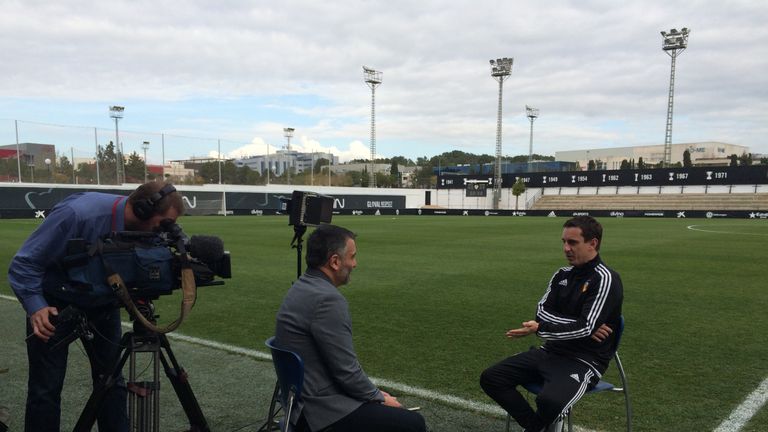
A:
564, 381
374, 417
47, 369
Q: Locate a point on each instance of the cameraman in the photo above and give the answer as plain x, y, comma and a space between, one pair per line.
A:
36, 273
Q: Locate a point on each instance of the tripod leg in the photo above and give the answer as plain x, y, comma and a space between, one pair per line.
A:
88, 416
178, 378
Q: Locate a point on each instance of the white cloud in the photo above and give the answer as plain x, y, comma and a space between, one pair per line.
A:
585, 64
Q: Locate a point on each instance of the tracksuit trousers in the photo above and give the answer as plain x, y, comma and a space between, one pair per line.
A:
565, 380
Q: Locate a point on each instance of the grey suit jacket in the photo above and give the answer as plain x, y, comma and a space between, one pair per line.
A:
314, 322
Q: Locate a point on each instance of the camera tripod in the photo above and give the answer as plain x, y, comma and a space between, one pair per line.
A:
144, 396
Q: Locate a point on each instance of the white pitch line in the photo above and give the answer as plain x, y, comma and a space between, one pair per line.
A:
402, 388
744, 412
694, 228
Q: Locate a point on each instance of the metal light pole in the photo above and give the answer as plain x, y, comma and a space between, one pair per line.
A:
145, 146
116, 112
48, 166
269, 165
674, 43
218, 158
288, 134
532, 113
373, 79
501, 69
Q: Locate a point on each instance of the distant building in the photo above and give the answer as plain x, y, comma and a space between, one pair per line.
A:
702, 154
32, 154
350, 167
283, 160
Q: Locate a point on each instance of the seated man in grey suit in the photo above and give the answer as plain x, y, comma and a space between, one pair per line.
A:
314, 322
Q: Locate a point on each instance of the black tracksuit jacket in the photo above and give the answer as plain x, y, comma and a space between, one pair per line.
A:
578, 300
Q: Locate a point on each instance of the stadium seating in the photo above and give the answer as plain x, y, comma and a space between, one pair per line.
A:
289, 368
601, 386
687, 201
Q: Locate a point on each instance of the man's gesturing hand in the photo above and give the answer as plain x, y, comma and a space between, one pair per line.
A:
528, 327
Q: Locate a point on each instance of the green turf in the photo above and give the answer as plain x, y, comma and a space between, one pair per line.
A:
432, 297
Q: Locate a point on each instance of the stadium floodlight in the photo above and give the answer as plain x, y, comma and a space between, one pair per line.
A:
373, 78
145, 146
288, 134
116, 112
674, 42
501, 69
532, 113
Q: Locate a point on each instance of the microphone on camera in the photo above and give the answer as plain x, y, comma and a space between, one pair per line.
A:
208, 249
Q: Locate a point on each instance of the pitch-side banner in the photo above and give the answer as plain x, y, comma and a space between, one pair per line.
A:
756, 174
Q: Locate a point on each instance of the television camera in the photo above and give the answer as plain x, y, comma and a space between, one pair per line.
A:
132, 269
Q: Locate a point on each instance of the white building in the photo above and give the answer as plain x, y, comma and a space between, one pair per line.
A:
282, 160
702, 153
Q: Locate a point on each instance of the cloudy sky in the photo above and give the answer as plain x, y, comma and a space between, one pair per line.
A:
239, 71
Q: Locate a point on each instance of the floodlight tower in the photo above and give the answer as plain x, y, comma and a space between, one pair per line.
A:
674, 43
532, 114
373, 79
288, 134
501, 69
145, 146
116, 112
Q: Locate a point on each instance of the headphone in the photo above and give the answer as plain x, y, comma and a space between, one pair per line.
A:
146, 208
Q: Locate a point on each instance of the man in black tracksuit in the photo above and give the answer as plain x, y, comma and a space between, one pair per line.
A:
577, 317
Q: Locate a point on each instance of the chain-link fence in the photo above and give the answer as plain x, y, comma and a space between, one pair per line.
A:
36, 152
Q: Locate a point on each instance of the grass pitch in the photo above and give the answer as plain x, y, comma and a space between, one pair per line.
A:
432, 297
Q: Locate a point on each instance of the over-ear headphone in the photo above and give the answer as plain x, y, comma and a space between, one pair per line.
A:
146, 208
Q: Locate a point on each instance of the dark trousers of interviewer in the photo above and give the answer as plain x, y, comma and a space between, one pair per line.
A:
374, 417
47, 370
565, 382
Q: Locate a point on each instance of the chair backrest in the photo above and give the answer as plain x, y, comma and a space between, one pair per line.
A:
289, 368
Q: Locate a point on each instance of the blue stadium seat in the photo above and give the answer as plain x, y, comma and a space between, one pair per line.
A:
601, 386
289, 368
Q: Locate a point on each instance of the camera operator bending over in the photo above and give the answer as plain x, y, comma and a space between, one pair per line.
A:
314, 322
36, 274
577, 317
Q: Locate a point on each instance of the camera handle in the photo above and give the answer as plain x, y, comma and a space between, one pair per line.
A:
296, 243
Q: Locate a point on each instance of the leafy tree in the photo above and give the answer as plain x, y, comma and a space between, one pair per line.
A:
365, 179
734, 160
134, 169
394, 174
517, 189
640, 163
107, 164
745, 159
687, 159
624, 164
764, 161
591, 165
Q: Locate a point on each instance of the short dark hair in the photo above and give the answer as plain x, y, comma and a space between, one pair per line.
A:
325, 241
590, 228
149, 189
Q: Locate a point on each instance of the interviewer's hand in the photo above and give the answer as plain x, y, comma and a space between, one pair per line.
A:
41, 322
601, 333
528, 327
389, 400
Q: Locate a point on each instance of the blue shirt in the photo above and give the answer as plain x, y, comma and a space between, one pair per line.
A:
37, 265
